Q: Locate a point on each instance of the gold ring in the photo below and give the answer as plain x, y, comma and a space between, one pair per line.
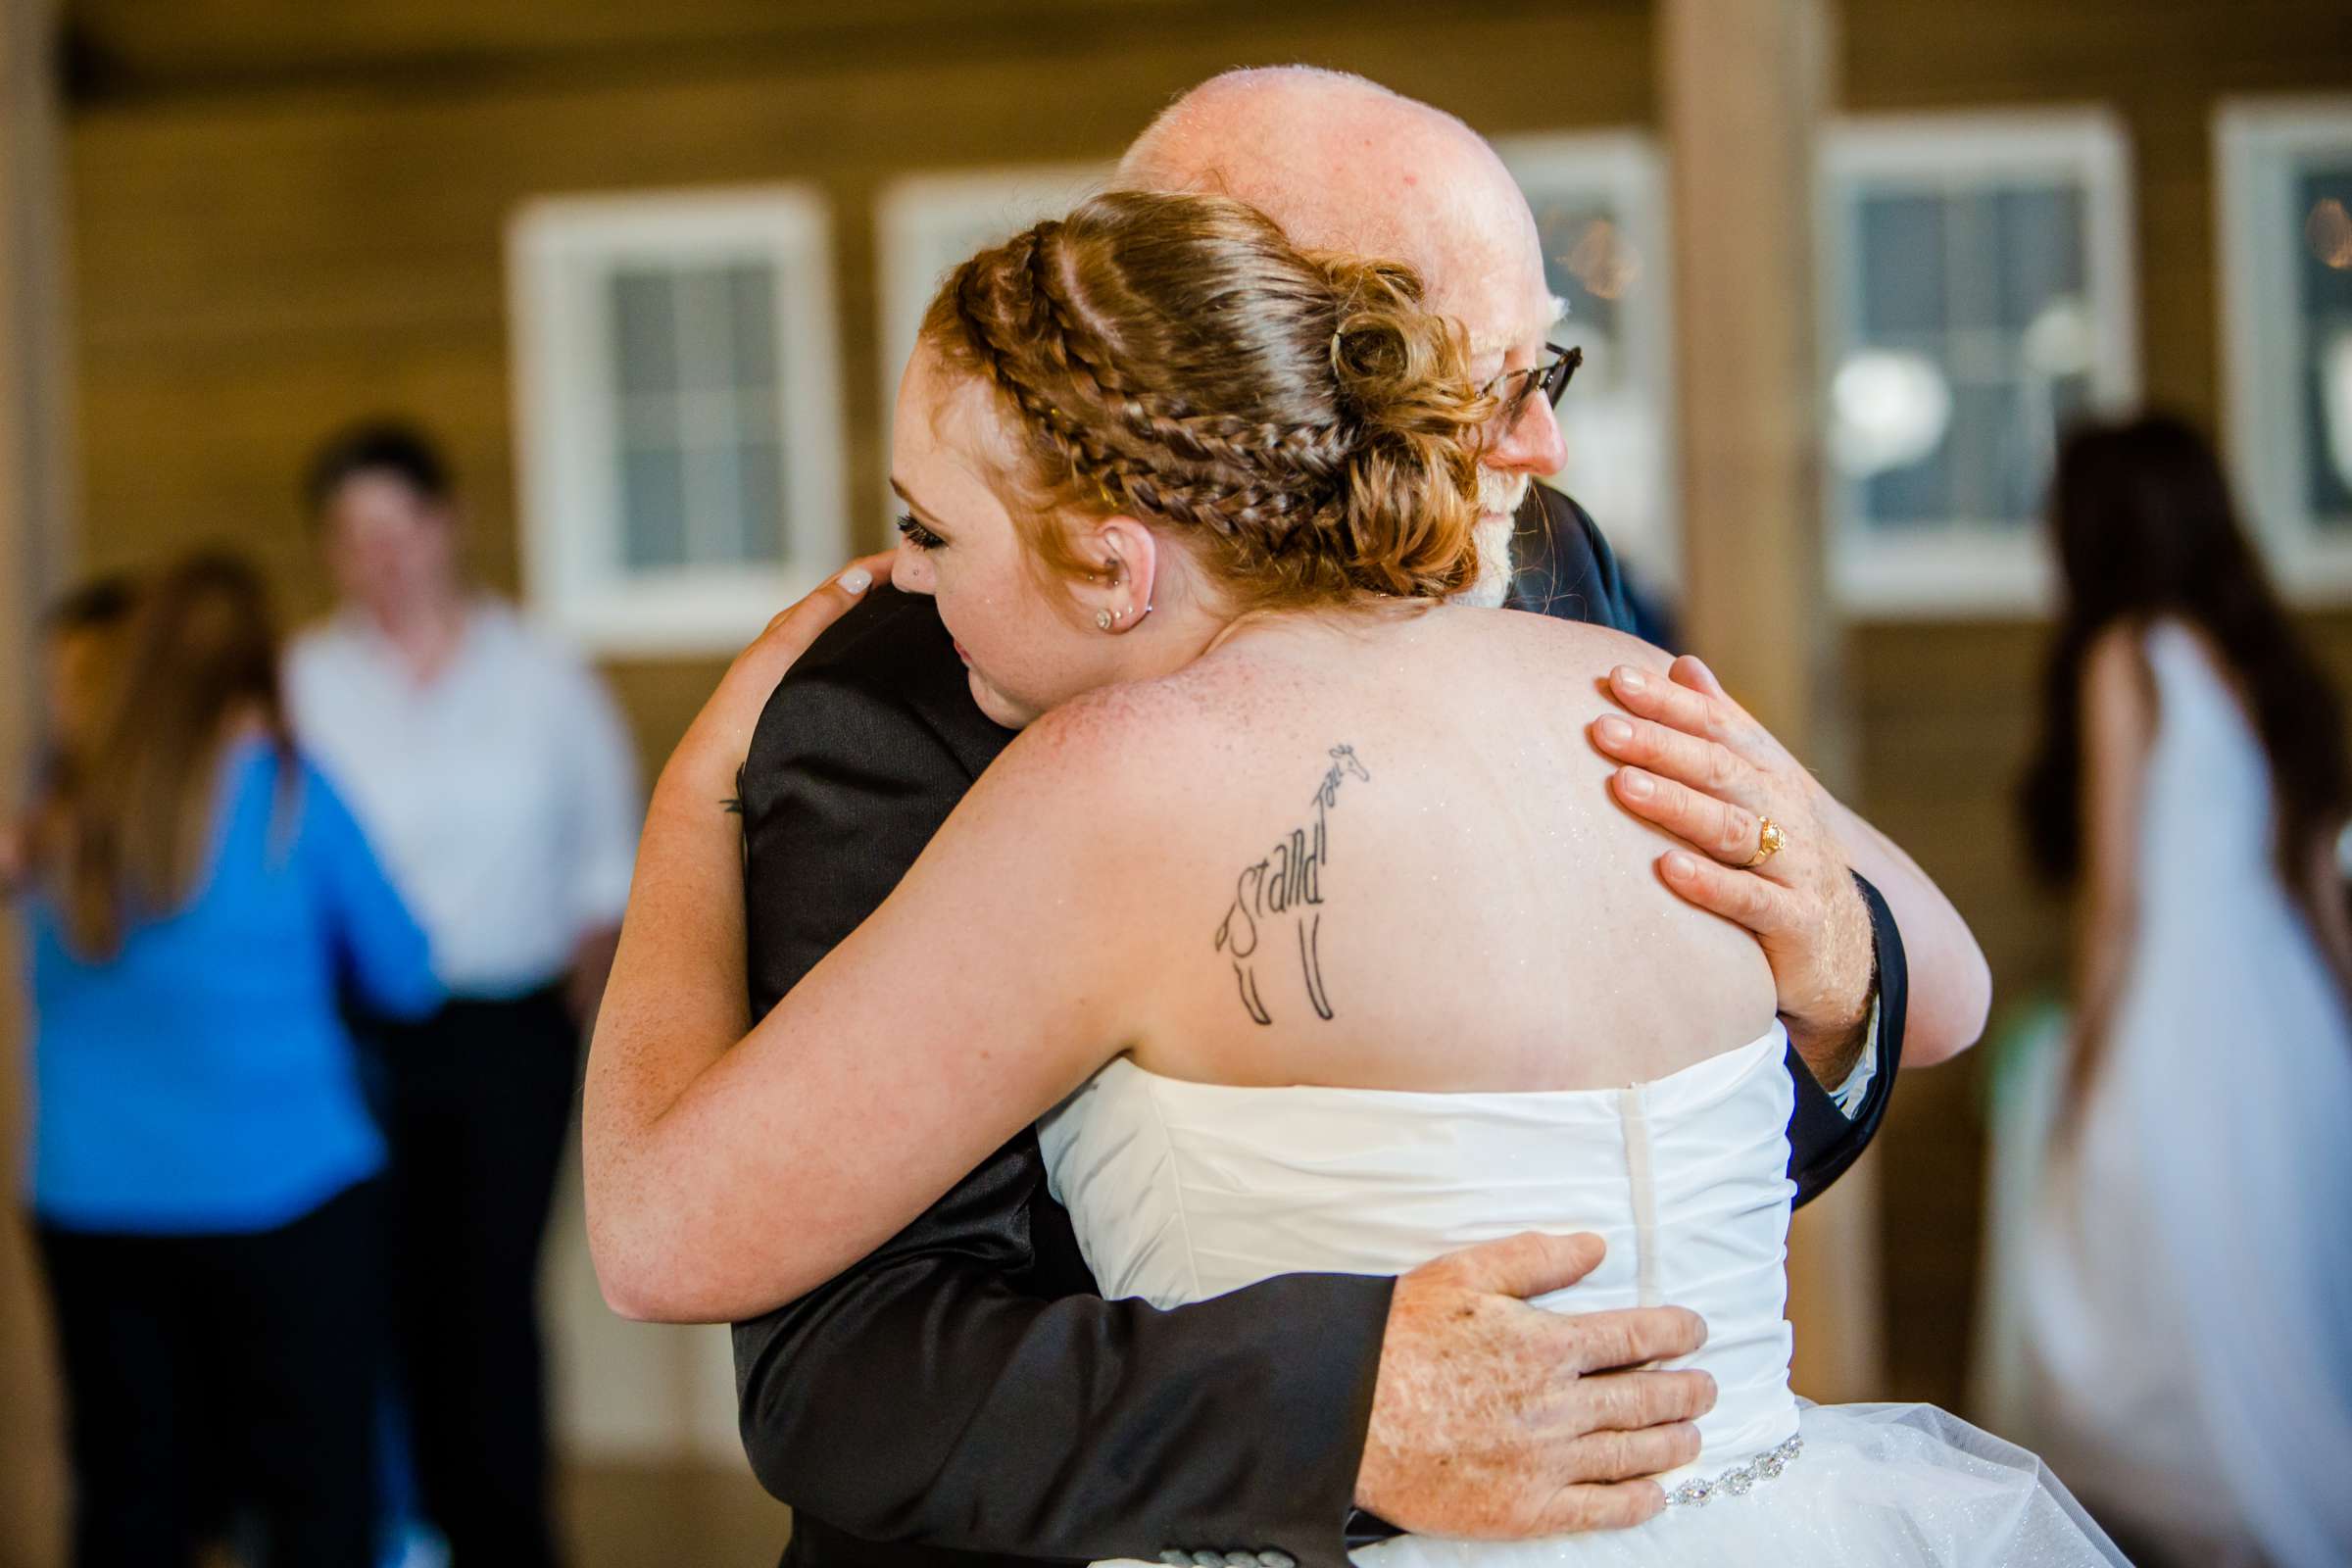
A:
1770, 841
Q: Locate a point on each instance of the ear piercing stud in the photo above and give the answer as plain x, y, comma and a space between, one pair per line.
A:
1104, 620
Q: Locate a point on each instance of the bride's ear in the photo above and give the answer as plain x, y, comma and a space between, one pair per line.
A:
1126, 556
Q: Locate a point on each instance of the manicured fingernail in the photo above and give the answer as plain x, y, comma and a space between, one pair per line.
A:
1614, 731
1631, 679
855, 580
1636, 785
1680, 866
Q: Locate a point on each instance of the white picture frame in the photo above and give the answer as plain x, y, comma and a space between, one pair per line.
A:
925, 226
560, 254
1966, 567
2261, 147
1619, 426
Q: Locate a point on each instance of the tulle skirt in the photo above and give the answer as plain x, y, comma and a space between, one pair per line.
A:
1875, 1486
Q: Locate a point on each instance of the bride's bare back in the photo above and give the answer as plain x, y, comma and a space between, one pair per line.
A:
1383, 853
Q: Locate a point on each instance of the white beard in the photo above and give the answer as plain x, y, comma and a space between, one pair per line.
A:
1499, 499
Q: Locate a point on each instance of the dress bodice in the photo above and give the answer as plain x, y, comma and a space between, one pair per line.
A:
2207, 824
1181, 1191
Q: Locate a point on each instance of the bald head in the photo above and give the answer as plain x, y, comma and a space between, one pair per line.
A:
1345, 164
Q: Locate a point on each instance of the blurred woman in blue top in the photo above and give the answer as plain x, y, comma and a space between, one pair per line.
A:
203, 1164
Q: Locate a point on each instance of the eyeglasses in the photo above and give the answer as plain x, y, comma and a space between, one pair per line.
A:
1552, 375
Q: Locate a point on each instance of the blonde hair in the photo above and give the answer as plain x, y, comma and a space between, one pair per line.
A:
1297, 419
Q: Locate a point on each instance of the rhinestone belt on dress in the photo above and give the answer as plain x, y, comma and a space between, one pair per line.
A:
1736, 1480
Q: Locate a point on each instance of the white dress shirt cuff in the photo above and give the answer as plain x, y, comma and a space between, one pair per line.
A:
1850, 1094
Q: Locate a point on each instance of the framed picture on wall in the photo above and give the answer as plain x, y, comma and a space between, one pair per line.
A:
1977, 296
925, 226
1600, 201
2283, 221
678, 414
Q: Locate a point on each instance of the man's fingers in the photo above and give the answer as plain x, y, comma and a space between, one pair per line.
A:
1630, 1455
1620, 1505
1530, 1263
1706, 766
1631, 1336
1743, 898
1692, 670
1631, 1401
1730, 833
1647, 695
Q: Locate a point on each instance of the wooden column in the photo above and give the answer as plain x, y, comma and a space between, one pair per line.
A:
1744, 84
32, 507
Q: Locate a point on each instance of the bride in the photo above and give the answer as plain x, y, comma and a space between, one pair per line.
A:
1298, 911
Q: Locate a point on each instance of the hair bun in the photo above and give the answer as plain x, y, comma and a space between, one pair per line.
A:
1412, 491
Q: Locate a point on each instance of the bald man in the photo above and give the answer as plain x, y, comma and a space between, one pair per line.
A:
965, 1396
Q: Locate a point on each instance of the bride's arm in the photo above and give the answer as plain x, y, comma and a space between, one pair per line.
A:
730, 1172
2119, 726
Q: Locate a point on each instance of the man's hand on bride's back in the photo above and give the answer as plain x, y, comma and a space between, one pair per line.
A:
1497, 1420
1699, 767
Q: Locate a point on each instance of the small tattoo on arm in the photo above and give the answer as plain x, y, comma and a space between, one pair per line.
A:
1288, 882
732, 805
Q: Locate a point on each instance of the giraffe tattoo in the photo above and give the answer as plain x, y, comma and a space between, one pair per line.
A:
1288, 883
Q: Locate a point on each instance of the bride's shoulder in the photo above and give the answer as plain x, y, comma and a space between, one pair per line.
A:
1244, 710
1562, 638
1104, 744
1545, 648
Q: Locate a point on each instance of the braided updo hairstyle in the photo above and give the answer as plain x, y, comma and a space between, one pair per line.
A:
1297, 419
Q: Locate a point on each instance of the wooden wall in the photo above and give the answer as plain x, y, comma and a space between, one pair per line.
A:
285, 215
258, 261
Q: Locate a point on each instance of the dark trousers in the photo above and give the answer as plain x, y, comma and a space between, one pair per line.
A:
209, 1372
476, 1102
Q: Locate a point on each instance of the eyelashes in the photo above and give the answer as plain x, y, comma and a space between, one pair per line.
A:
915, 534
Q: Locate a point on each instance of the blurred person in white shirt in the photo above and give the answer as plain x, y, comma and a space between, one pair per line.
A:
491, 767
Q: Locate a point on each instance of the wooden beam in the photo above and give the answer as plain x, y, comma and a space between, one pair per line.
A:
1742, 84
1741, 87
32, 505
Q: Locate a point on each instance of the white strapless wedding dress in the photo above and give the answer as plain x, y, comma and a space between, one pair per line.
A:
1182, 1191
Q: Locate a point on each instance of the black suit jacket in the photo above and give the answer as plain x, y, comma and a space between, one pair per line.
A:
965, 1396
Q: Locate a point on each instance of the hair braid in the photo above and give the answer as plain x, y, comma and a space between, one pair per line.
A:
1302, 418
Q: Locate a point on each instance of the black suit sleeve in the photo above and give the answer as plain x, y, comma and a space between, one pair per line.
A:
1563, 566
963, 1388
1823, 1141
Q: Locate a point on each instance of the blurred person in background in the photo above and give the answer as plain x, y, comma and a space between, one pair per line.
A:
2180, 1267
205, 1177
82, 640
494, 769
